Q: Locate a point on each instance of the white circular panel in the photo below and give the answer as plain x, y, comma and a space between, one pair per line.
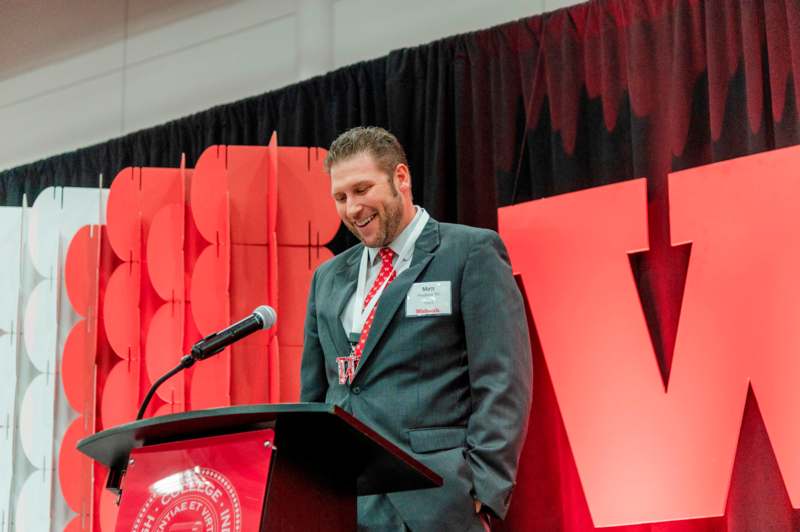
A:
43, 231
8, 379
5, 475
8, 374
7, 387
33, 503
40, 326
81, 207
10, 219
36, 422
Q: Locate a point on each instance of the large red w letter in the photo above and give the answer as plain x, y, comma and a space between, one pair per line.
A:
644, 453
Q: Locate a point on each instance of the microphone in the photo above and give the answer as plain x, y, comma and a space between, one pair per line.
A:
262, 317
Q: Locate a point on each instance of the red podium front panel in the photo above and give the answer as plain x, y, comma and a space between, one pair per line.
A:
210, 484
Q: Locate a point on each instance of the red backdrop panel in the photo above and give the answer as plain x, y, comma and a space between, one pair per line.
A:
188, 252
646, 452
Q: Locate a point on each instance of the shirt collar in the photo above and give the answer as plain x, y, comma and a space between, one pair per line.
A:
397, 244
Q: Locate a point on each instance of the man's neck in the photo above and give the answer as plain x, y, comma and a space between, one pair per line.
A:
397, 243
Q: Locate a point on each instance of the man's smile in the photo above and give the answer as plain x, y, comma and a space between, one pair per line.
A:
364, 222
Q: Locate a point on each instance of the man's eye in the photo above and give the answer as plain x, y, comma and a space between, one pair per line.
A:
362, 190
339, 199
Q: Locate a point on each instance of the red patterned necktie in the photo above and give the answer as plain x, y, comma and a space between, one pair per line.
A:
387, 274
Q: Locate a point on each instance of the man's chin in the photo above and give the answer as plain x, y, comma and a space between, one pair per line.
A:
371, 241
375, 240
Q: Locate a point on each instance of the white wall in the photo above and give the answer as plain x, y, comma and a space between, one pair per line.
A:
151, 75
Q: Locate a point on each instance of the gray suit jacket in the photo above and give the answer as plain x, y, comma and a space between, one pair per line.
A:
453, 390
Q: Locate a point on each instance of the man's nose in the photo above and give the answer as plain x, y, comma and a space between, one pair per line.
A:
353, 207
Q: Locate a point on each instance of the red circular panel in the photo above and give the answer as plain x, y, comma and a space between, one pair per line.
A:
120, 399
210, 290
77, 359
165, 252
122, 215
304, 202
121, 310
80, 268
163, 349
160, 187
209, 195
108, 509
74, 525
74, 469
210, 384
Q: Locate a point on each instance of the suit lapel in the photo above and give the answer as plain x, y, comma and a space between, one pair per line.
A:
395, 293
344, 284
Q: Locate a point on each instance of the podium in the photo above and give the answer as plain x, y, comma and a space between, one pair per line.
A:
278, 467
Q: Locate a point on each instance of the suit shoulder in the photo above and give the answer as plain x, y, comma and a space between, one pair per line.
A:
467, 233
333, 263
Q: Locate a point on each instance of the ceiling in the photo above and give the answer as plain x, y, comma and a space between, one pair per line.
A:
35, 33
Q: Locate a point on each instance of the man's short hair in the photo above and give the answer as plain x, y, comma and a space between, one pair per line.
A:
382, 145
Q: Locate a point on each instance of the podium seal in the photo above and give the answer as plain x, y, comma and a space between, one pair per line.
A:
195, 500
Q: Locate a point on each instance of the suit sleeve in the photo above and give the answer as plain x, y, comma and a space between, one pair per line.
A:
500, 370
313, 382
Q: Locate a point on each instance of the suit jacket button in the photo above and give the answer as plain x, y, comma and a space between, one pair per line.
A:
356, 389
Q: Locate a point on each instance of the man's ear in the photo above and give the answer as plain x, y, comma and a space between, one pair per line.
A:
402, 176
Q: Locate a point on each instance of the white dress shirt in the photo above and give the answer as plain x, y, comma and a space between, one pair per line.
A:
374, 267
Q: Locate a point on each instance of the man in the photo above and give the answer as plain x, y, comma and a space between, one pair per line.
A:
420, 332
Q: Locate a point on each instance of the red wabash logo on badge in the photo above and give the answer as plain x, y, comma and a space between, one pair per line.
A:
347, 368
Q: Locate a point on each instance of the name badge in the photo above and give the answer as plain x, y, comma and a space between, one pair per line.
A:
428, 299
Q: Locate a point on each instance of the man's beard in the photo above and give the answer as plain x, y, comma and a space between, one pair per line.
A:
390, 226
388, 223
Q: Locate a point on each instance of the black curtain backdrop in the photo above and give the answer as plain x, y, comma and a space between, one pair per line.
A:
594, 94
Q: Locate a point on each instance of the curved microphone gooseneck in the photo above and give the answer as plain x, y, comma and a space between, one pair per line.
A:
262, 317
